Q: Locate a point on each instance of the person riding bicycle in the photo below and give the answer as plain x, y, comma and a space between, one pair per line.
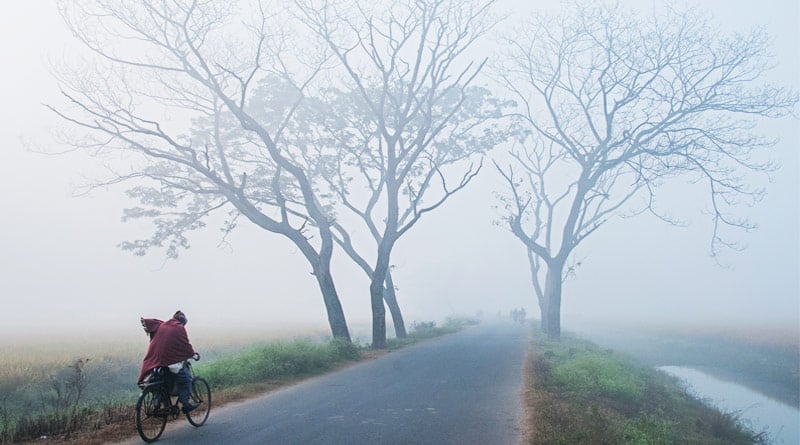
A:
170, 347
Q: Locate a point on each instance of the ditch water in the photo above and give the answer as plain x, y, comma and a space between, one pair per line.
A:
781, 421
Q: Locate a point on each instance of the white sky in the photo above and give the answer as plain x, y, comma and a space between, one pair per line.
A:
60, 269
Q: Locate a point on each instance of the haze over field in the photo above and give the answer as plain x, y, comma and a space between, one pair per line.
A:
61, 269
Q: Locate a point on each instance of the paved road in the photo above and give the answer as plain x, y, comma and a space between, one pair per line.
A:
462, 388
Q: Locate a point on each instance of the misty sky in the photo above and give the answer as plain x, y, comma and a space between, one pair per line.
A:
60, 265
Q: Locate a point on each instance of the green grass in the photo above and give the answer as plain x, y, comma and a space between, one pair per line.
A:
277, 361
582, 394
599, 373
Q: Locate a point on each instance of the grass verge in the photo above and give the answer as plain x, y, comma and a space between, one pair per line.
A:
579, 393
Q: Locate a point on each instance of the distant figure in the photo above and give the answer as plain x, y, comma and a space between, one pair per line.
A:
170, 347
518, 315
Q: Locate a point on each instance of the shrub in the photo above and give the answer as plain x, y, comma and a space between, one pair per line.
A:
599, 374
423, 325
344, 350
649, 430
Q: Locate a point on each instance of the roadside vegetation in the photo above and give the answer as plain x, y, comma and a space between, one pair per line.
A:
428, 329
46, 397
580, 393
766, 359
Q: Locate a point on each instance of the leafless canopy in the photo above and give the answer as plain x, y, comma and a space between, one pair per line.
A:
185, 91
613, 104
403, 111
404, 108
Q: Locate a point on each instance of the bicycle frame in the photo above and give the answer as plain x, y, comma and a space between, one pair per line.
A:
158, 402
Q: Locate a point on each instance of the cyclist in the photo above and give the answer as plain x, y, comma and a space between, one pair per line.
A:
170, 347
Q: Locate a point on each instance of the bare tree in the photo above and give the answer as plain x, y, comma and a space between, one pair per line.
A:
170, 89
612, 105
404, 115
342, 120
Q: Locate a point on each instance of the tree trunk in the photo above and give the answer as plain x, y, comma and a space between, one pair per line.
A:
376, 291
321, 269
389, 295
378, 314
542, 300
394, 309
333, 306
552, 293
332, 303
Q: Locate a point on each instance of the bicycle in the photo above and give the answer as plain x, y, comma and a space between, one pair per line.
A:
158, 402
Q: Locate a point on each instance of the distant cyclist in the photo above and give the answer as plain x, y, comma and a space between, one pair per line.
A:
170, 347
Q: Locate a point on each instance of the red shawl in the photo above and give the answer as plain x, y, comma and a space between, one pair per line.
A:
169, 343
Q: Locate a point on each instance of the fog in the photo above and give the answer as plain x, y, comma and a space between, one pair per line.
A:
62, 272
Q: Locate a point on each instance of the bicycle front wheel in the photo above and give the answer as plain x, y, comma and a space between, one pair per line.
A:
151, 415
201, 395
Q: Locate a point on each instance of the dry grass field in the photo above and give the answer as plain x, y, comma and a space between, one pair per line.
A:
49, 378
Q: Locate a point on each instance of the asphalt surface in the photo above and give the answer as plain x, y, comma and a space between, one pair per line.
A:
462, 388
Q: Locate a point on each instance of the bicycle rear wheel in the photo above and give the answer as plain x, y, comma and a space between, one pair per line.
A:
201, 395
151, 414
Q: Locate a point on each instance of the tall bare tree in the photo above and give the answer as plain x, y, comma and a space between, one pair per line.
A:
174, 88
408, 116
357, 174
612, 105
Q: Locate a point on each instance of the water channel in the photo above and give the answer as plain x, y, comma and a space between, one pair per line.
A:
781, 421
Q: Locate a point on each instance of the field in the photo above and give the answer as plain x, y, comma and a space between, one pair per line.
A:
69, 387
52, 384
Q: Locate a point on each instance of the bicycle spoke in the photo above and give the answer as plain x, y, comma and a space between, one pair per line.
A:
150, 414
201, 395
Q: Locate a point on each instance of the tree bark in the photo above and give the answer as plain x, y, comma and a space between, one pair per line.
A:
389, 295
333, 306
390, 298
376, 291
320, 262
378, 314
542, 300
552, 292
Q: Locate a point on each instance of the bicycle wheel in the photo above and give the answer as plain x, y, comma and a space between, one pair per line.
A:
201, 395
151, 414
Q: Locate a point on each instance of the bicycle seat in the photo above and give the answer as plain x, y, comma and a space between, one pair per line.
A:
156, 377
